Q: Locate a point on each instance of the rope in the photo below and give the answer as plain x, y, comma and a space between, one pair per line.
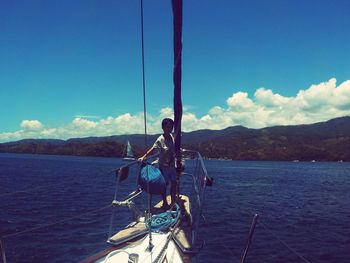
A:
56, 223
162, 222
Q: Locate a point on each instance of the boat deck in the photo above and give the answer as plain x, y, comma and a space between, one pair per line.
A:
131, 232
135, 232
182, 233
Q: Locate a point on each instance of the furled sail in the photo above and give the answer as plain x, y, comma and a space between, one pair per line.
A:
177, 24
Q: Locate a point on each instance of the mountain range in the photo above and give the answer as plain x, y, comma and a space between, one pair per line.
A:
323, 141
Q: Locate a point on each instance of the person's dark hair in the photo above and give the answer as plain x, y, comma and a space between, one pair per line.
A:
166, 121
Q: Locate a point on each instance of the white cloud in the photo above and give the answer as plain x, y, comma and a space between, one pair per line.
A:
84, 124
11, 136
87, 116
31, 124
216, 110
341, 96
266, 98
319, 102
240, 102
48, 132
166, 112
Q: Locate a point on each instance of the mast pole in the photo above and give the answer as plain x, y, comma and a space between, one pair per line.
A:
177, 23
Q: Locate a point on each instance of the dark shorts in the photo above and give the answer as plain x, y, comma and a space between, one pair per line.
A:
169, 173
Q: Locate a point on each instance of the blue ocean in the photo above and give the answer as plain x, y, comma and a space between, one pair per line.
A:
303, 209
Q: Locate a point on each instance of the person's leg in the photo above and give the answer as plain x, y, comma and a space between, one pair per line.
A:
173, 191
173, 186
165, 205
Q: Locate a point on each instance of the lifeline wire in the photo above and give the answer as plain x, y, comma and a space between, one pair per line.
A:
284, 243
276, 237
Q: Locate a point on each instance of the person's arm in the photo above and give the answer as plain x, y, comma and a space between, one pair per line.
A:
146, 154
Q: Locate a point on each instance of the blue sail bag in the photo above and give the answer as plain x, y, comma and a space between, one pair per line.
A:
151, 180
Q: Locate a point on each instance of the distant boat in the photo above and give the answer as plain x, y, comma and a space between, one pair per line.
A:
128, 155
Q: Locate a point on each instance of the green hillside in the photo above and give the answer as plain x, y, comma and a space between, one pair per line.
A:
324, 141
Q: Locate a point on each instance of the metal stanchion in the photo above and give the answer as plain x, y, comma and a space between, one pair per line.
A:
251, 232
2, 247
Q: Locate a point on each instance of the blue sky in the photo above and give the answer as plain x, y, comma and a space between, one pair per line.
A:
73, 68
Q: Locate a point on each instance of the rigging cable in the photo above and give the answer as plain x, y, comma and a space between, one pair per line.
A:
143, 76
2, 238
150, 246
26, 191
57, 222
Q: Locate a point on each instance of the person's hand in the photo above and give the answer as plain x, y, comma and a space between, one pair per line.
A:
141, 159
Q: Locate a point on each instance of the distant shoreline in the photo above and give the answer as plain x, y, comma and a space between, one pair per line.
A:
323, 141
206, 159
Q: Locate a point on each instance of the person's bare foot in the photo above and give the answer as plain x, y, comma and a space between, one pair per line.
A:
165, 207
172, 204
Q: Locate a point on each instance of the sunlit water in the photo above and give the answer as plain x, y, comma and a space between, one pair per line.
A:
303, 208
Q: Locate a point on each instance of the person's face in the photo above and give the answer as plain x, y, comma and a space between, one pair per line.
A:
168, 128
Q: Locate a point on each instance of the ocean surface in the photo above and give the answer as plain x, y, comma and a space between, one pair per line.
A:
303, 209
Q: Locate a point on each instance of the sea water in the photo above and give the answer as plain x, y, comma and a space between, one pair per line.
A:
303, 209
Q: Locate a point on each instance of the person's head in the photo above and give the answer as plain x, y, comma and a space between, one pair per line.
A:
167, 125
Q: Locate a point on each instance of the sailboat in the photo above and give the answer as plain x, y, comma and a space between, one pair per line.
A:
128, 155
154, 235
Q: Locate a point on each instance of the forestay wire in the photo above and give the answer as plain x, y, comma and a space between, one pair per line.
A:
150, 246
2, 238
143, 76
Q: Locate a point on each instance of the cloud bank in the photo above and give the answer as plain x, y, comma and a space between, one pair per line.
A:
320, 102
